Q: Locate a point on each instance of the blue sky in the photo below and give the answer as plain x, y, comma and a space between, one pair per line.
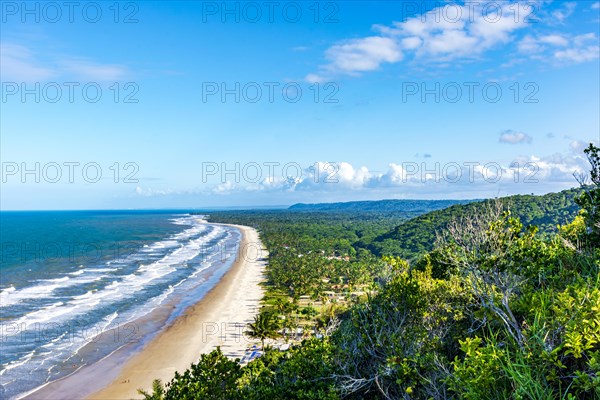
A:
204, 104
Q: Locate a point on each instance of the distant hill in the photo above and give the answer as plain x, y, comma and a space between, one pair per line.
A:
417, 235
380, 206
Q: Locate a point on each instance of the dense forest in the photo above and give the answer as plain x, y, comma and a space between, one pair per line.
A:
491, 300
418, 235
404, 228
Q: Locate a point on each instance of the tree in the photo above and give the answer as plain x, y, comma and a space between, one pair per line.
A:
590, 199
481, 247
213, 377
158, 391
264, 327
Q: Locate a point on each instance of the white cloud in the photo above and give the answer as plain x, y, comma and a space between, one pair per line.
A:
529, 45
472, 176
562, 49
426, 37
363, 54
585, 47
20, 63
224, 188
411, 43
315, 78
596, 5
452, 33
562, 14
84, 69
555, 168
17, 63
470, 35
150, 192
359, 55
581, 40
450, 43
577, 146
351, 176
514, 137
555, 40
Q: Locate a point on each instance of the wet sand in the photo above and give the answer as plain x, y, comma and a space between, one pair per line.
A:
219, 319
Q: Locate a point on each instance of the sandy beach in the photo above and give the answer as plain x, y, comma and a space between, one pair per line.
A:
219, 319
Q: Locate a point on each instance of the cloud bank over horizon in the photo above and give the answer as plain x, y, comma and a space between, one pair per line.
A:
335, 181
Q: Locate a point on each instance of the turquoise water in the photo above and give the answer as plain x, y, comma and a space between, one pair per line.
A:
69, 279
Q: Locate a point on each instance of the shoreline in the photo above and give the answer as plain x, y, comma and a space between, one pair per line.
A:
218, 319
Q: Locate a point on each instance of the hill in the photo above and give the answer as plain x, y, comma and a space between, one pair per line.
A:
380, 206
417, 236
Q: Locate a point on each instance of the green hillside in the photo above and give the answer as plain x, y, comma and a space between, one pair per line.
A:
418, 235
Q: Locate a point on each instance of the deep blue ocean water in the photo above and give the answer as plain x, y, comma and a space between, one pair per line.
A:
70, 280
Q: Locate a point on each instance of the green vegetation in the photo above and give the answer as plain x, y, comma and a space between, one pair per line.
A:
497, 308
590, 199
263, 327
406, 207
417, 236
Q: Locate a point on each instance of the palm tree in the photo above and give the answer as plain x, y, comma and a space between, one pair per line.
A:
282, 306
288, 325
263, 327
158, 391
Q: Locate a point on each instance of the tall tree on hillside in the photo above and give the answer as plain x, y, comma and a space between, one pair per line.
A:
590, 199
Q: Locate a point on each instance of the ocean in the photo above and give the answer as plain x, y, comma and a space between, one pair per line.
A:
74, 285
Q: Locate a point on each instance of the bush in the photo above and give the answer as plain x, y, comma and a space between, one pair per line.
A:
213, 377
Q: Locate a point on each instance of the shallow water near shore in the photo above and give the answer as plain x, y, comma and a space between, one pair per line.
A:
64, 312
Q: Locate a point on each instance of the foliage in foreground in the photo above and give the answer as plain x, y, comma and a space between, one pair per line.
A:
427, 337
494, 311
300, 373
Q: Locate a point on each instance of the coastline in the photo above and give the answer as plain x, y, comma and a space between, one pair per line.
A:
218, 319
